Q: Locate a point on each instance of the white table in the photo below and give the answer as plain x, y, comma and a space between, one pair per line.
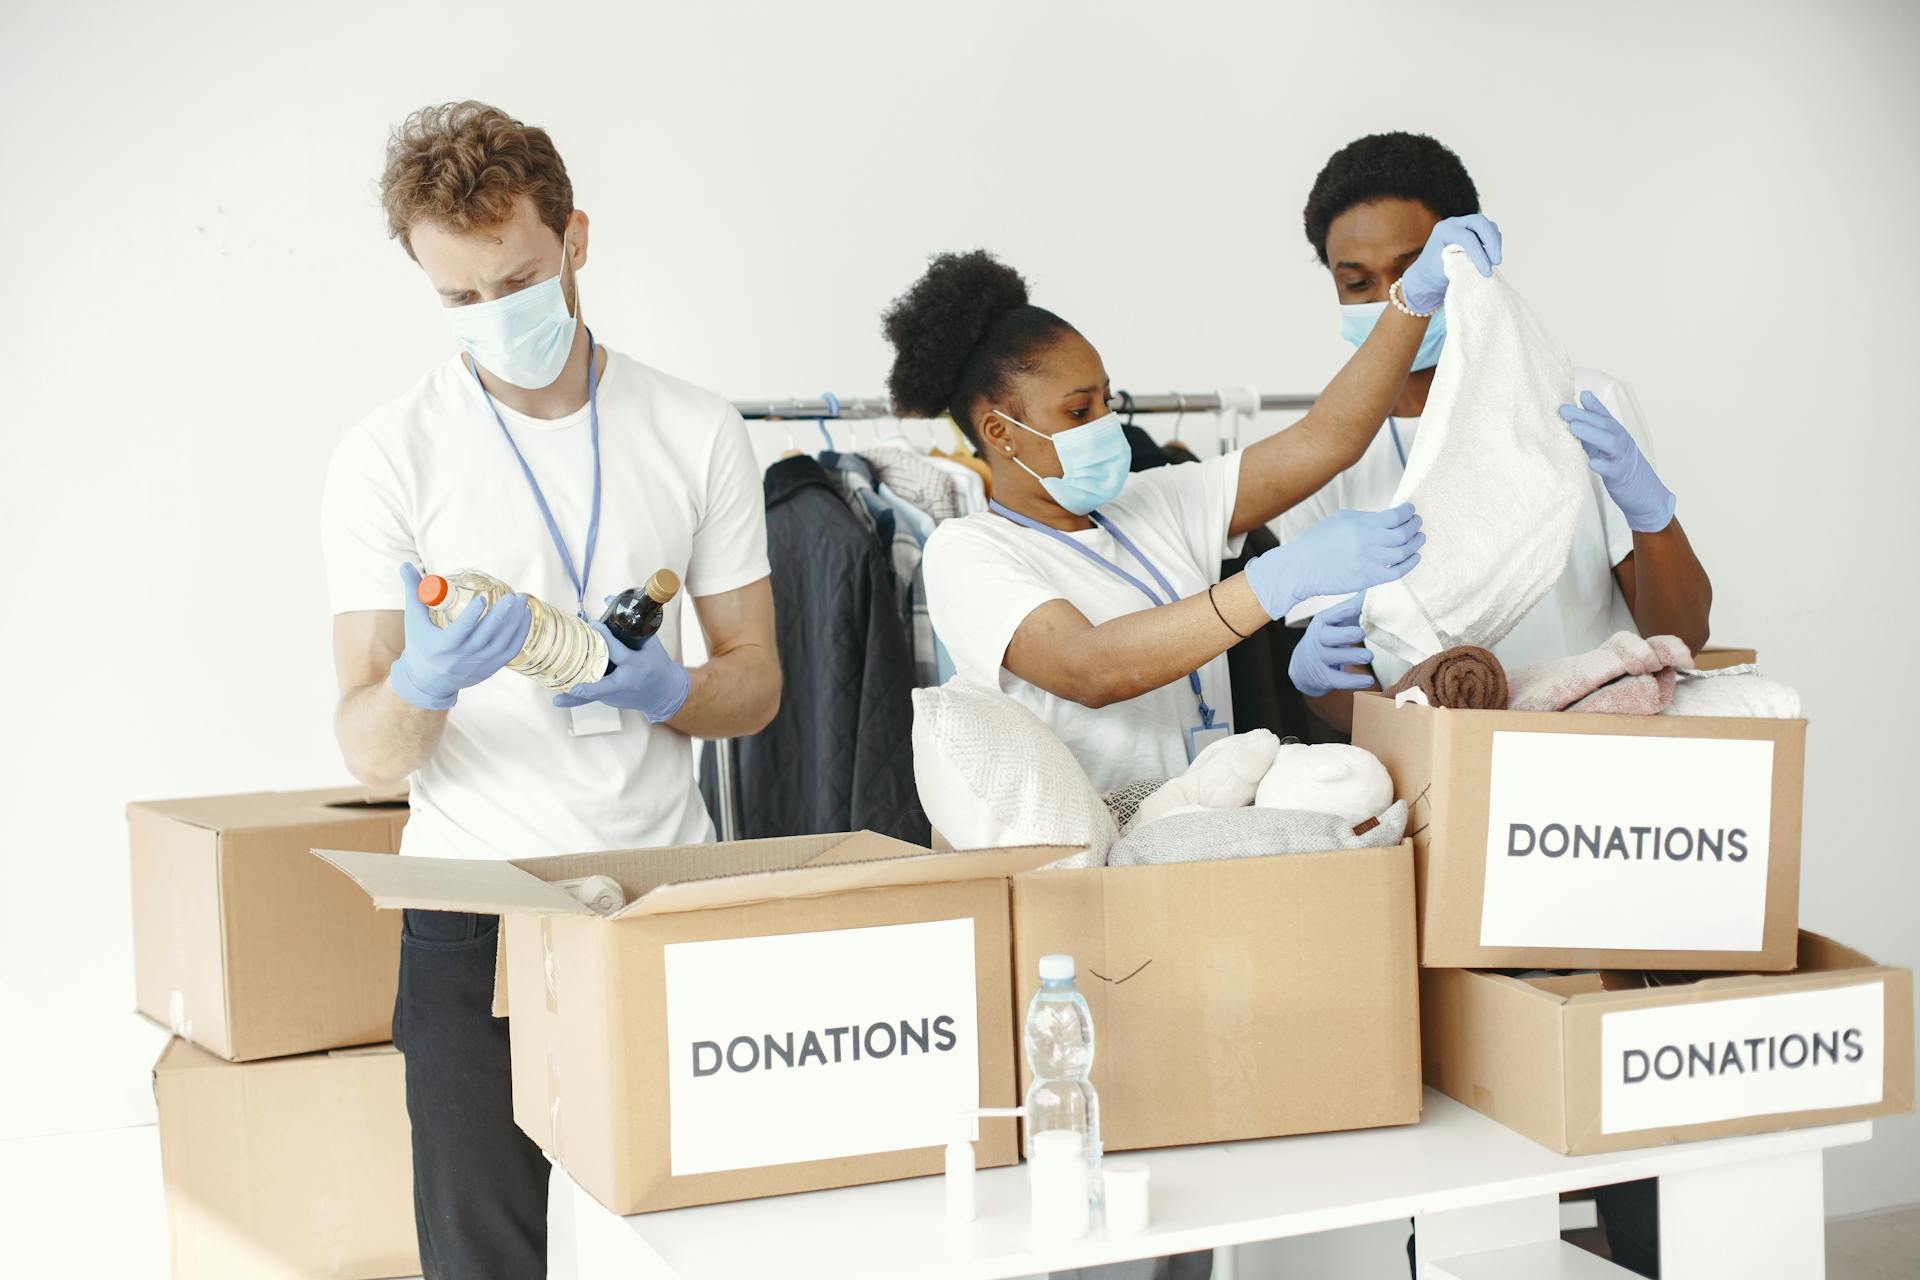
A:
1485, 1201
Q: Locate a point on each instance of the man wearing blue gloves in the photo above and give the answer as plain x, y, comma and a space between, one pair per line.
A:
570, 471
1369, 218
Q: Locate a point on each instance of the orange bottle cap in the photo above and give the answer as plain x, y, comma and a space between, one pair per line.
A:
432, 590
663, 586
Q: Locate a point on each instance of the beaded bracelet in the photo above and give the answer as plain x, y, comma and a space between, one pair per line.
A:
1399, 300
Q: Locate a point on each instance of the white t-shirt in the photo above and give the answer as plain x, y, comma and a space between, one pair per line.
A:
428, 478
985, 574
1583, 608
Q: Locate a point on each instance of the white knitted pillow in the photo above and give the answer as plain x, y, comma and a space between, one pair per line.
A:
991, 775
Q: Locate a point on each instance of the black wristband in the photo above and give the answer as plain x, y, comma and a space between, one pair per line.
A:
1223, 617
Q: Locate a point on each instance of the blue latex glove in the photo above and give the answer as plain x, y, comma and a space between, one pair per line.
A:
438, 662
644, 680
1616, 458
1348, 551
1332, 643
1424, 284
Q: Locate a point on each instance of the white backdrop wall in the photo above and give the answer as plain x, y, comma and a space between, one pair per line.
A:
1712, 201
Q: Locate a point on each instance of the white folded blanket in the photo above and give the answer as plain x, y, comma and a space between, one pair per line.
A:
1733, 691
1497, 477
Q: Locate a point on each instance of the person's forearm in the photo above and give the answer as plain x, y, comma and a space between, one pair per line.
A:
1137, 653
732, 695
1672, 595
1287, 468
383, 737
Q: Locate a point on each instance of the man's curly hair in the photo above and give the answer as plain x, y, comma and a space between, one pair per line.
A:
460, 165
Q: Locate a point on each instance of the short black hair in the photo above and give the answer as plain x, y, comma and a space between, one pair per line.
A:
1387, 166
961, 334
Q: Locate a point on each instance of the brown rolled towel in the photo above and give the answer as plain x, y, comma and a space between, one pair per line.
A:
1465, 677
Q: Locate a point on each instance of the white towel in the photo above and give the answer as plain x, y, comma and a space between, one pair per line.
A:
1733, 691
1497, 477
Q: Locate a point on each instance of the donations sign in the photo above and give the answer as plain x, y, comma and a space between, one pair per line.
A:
1696, 1063
815, 1046
1643, 843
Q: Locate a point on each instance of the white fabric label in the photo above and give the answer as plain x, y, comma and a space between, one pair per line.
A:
1757, 1056
813, 1046
1643, 843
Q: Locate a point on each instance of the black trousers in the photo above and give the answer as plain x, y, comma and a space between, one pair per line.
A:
479, 1184
1630, 1211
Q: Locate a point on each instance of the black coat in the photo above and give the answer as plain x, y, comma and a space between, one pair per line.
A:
839, 755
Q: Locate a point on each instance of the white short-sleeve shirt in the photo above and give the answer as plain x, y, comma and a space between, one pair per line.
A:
1583, 608
985, 574
429, 479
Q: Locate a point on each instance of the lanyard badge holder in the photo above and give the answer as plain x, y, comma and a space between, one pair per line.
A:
589, 718
1211, 728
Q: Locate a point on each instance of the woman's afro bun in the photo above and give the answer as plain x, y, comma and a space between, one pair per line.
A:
938, 324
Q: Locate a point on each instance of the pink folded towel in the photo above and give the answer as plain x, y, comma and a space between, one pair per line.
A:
1626, 676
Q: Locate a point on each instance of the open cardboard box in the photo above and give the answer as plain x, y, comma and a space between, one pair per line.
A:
1237, 999
245, 945
1600, 1061
288, 1168
1566, 840
762, 1017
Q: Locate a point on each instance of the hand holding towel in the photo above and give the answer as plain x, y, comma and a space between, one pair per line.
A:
1499, 480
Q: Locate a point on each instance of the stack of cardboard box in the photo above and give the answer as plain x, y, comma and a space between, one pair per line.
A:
1637, 879
283, 1125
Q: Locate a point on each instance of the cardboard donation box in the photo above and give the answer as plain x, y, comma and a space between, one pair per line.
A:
761, 1017
1238, 999
290, 1169
1600, 1061
1571, 841
242, 942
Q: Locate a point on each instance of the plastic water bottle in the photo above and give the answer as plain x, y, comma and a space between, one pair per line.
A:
1059, 1040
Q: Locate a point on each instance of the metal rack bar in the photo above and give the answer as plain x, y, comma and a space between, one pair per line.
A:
878, 407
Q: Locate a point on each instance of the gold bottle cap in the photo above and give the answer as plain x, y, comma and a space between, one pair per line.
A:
663, 586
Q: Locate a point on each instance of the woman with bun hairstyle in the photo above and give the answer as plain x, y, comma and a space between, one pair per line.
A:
1090, 594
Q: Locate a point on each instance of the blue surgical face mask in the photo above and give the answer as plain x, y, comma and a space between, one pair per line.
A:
1358, 318
525, 337
1094, 461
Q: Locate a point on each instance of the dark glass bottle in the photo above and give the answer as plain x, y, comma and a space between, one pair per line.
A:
636, 614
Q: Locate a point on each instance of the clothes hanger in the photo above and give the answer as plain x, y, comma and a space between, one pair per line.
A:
793, 448
1179, 416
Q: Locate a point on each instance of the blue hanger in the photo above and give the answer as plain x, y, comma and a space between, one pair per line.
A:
833, 411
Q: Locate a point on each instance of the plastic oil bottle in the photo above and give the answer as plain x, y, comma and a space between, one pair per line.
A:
560, 651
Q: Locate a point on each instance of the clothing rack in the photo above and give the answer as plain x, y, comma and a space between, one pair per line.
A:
862, 407
832, 408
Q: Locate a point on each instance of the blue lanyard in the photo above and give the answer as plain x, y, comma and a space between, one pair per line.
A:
579, 579
1126, 543
1395, 428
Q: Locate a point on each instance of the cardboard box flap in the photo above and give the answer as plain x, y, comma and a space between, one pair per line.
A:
453, 884
271, 809
640, 871
822, 876
1819, 953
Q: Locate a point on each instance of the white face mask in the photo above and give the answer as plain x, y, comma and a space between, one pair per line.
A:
525, 337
